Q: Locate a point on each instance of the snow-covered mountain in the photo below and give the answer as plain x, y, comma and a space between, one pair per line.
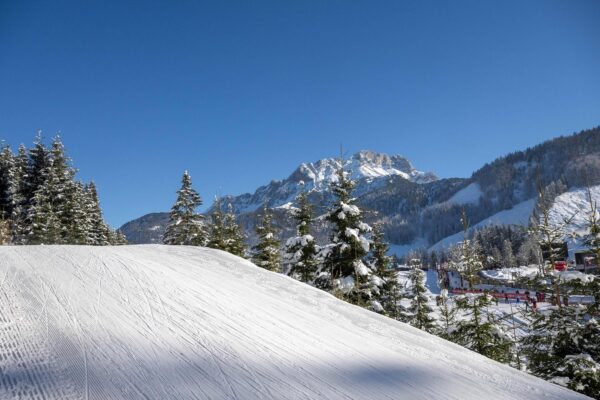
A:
175, 322
367, 168
417, 209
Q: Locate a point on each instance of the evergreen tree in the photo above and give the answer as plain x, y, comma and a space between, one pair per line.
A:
418, 313
591, 238
5, 235
266, 252
448, 314
37, 215
344, 271
508, 257
117, 238
301, 250
18, 217
529, 253
98, 233
563, 348
216, 238
52, 210
234, 238
549, 235
465, 257
7, 183
61, 192
186, 227
386, 288
480, 331
80, 227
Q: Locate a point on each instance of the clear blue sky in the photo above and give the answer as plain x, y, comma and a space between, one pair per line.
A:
240, 93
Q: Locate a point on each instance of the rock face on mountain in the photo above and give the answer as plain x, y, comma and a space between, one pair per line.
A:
416, 207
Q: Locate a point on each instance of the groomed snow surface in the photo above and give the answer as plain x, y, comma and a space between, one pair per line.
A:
157, 322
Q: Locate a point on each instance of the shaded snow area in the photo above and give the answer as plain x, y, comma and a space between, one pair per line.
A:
518, 215
157, 322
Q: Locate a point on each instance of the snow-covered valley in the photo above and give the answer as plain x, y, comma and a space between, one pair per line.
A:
158, 322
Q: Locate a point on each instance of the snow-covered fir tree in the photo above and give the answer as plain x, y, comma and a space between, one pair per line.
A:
591, 237
234, 239
344, 271
418, 314
7, 182
35, 211
216, 233
186, 226
385, 281
42, 201
480, 331
562, 347
508, 257
301, 251
117, 238
266, 252
448, 316
5, 234
52, 210
550, 236
98, 232
17, 218
465, 257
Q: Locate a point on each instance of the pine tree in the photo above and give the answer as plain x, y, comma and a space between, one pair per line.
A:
266, 252
480, 332
18, 217
7, 187
38, 217
549, 234
186, 227
79, 229
301, 250
61, 191
385, 281
591, 238
465, 257
234, 238
418, 313
216, 237
52, 210
98, 233
448, 314
563, 348
508, 257
5, 235
344, 271
117, 238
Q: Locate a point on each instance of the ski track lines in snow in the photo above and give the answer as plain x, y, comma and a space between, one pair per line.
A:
157, 322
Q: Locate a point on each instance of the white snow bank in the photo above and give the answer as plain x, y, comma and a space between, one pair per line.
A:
171, 322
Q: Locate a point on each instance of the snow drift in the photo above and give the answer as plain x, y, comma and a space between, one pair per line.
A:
156, 322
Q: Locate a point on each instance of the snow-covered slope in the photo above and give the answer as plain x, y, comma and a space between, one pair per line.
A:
518, 215
574, 205
156, 322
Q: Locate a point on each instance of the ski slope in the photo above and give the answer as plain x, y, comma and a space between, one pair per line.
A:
157, 322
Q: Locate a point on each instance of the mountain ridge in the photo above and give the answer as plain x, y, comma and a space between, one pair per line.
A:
417, 207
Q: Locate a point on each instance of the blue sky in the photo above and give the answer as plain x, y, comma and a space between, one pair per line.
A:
240, 93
